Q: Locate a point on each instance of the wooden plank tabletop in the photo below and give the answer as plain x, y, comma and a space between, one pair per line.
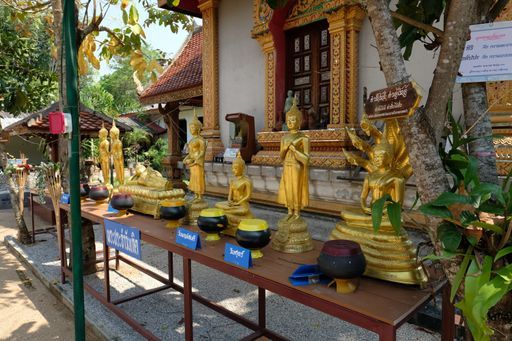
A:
387, 302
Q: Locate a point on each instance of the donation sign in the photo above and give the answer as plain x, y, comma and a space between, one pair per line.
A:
488, 54
123, 238
394, 102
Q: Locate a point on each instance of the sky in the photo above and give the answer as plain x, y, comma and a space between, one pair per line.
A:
158, 37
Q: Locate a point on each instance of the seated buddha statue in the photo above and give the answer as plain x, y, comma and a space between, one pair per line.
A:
240, 190
389, 255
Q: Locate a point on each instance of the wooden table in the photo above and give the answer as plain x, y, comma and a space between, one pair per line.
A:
378, 306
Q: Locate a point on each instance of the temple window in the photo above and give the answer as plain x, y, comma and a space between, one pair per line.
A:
308, 71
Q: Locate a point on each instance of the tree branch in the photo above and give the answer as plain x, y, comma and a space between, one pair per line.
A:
418, 24
38, 7
111, 33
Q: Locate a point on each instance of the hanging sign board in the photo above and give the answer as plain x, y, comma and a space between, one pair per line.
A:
488, 54
123, 238
393, 102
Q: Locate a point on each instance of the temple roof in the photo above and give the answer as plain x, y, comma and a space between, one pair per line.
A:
183, 78
37, 122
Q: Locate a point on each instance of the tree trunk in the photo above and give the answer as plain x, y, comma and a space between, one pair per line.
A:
479, 123
452, 48
419, 136
17, 207
476, 119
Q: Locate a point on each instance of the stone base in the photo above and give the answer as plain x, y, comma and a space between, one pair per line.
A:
389, 256
194, 208
292, 236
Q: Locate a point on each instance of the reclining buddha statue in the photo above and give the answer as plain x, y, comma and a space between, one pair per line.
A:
148, 189
389, 255
240, 190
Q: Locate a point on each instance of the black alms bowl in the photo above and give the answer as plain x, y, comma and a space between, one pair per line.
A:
84, 190
173, 209
98, 193
341, 259
121, 201
212, 220
253, 234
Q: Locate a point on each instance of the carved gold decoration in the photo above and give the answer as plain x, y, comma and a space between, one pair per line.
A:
355, 16
338, 75
174, 95
307, 11
389, 256
261, 15
210, 58
267, 45
499, 94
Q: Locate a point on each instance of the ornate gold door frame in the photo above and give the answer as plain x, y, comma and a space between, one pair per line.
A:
344, 25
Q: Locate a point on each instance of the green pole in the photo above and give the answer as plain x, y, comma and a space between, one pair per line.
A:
69, 31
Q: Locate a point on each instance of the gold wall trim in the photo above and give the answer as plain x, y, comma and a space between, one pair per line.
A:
267, 45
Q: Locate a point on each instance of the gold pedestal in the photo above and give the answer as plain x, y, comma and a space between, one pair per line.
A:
233, 222
172, 224
346, 286
194, 208
211, 237
389, 256
292, 236
256, 254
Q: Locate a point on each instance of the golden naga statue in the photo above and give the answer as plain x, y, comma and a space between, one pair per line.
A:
292, 235
389, 256
104, 154
117, 153
195, 162
240, 191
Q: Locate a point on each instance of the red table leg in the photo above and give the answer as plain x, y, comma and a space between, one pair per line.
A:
187, 298
387, 333
448, 315
32, 217
106, 264
170, 266
262, 317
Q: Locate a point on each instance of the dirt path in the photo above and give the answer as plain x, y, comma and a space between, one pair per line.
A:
28, 311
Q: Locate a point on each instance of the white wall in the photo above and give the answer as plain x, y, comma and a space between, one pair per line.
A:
421, 66
241, 66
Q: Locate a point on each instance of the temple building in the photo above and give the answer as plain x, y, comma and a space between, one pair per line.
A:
252, 57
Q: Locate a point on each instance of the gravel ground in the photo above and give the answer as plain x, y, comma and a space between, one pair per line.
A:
162, 313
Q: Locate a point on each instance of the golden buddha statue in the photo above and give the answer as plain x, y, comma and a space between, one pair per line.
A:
104, 151
292, 235
389, 255
117, 153
195, 162
240, 191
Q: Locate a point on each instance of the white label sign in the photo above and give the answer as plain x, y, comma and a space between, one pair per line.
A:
488, 54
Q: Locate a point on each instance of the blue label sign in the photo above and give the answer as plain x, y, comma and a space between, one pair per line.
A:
111, 209
188, 238
123, 238
237, 255
64, 198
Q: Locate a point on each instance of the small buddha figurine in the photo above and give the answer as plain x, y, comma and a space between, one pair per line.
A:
240, 190
287, 106
195, 162
117, 153
104, 151
292, 235
389, 256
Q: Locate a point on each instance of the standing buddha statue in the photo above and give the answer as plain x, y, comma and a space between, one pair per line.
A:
389, 255
240, 190
292, 235
104, 151
195, 162
117, 153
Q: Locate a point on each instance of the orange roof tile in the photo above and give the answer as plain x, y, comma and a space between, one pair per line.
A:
185, 72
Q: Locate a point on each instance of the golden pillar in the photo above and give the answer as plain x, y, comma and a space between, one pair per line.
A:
211, 77
344, 27
267, 45
354, 20
338, 105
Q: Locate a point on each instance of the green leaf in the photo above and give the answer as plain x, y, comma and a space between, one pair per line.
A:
503, 252
449, 235
134, 15
436, 211
460, 274
125, 17
444, 255
485, 190
471, 175
377, 211
449, 198
487, 226
395, 216
467, 218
